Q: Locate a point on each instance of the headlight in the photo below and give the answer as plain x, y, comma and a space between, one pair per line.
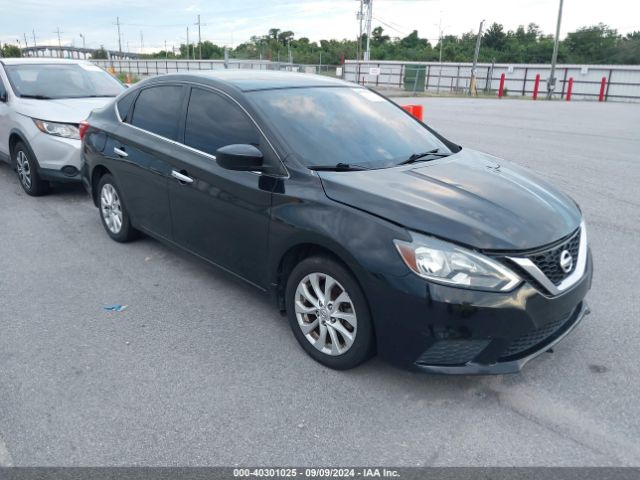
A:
65, 130
447, 263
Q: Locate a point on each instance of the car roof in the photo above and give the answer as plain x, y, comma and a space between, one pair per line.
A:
41, 61
248, 80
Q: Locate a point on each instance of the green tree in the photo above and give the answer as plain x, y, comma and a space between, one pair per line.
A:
595, 44
11, 51
100, 53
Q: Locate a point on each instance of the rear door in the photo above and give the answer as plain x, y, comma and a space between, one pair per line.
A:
222, 215
142, 150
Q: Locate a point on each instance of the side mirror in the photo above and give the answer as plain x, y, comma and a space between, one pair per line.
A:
239, 157
3, 97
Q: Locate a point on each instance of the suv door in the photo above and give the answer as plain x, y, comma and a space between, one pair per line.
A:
142, 148
222, 215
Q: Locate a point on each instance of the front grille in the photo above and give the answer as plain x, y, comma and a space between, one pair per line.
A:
548, 261
535, 337
452, 352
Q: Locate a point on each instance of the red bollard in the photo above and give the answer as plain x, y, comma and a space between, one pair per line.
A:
536, 87
501, 90
569, 89
603, 84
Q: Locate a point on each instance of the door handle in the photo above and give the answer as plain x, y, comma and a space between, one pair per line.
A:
120, 152
181, 177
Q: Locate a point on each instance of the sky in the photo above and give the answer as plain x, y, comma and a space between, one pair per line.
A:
147, 24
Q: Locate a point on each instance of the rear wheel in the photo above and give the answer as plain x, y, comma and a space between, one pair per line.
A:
27, 170
328, 313
113, 213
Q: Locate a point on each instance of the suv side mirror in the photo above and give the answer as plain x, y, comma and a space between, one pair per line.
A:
239, 157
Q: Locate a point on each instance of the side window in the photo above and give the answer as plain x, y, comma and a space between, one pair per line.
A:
157, 110
124, 106
214, 122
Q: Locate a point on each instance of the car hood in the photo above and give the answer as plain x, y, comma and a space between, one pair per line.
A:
470, 198
63, 110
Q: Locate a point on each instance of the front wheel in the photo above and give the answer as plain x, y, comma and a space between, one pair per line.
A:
27, 170
329, 314
113, 213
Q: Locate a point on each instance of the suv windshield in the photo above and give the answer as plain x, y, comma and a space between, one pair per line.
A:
327, 126
62, 81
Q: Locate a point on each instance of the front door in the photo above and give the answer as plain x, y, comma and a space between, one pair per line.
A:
221, 215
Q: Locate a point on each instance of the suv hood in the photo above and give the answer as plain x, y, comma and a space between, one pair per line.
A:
470, 198
63, 110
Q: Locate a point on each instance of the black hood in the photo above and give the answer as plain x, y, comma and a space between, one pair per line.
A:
470, 198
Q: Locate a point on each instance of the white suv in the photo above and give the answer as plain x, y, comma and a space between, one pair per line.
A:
42, 102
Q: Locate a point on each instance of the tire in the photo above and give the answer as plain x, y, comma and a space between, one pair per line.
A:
348, 340
113, 214
27, 170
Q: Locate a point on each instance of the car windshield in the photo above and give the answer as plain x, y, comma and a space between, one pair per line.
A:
327, 126
62, 81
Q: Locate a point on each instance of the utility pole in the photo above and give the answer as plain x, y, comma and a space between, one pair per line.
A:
359, 16
472, 84
166, 53
551, 83
187, 43
439, 25
119, 37
367, 54
141, 42
34, 37
200, 24
59, 41
25, 40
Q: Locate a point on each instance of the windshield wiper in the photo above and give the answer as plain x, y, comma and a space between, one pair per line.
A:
37, 97
419, 156
340, 167
93, 96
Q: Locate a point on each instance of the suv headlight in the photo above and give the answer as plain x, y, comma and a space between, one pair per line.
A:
66, 130
450, 264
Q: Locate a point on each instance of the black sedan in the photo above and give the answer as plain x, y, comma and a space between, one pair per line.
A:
369, 229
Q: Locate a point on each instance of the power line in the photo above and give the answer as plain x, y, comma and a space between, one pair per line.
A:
389, 26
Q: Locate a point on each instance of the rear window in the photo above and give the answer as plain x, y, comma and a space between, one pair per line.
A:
157, 110
124, 106
62, 81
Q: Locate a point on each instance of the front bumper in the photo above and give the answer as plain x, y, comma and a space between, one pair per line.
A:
439, 329
59, 158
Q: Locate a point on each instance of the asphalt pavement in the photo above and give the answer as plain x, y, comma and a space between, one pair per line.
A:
200, 369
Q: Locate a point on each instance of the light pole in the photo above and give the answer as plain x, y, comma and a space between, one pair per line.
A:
84, 43
551, 83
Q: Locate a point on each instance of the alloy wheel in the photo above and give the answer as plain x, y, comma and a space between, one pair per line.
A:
111, 208
24, 169
326, 314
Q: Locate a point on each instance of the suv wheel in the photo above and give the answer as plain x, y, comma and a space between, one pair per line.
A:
113, 213
329, 314
27, 170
